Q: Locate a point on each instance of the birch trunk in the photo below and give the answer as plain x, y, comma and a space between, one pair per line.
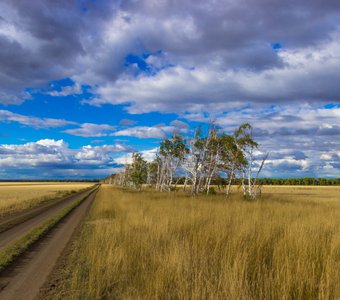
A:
230, 181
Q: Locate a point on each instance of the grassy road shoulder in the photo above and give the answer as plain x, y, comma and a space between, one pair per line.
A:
17, 197
10, 253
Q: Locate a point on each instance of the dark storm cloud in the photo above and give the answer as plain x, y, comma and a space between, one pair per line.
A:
240, 33
236, 24
42, 41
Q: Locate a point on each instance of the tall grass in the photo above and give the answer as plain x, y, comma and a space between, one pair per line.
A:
16, 196
168, 246
18, 247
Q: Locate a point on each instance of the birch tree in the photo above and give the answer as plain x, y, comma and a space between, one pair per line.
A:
171, 154
204, 157
245, 142
193, 161
201, 162
211, 157
232, 158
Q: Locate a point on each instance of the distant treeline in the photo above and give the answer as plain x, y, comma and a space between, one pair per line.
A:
276, 181
299, 181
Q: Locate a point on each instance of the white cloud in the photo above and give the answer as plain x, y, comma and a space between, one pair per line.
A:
158, 131
52, 143
285, 164
148, 155
7, 116
214, 88
293, 119
43, 152
91, 130
222, 54
100, 153
74, 89
145, 131
85, 129
220, 63
55, 155
326, 156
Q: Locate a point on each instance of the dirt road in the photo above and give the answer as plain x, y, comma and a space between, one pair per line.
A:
24, 280
32, 218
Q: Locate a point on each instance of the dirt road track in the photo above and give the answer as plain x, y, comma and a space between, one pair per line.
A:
24, 280
36, 217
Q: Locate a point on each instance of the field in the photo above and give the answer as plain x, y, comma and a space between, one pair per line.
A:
16, 196
148, 245
317, 194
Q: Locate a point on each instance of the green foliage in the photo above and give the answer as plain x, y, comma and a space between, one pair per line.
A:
243, 135
175, 147
139, 170
153, 170
299, 181
201, 159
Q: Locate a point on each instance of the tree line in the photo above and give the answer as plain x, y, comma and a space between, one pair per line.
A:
300, 181
199, 161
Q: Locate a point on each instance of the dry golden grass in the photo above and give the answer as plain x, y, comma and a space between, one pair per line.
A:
169, 246
15, 196
304, 193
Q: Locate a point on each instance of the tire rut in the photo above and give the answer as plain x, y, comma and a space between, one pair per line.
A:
25, 278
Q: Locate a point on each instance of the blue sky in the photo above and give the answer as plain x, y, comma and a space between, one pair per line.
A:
85, 83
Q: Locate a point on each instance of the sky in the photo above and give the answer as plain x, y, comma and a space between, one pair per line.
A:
84, 83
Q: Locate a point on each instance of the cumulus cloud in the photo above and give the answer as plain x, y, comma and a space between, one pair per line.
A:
300, 139
145, 132
283, 120
40, 42
223, 53
148, 155
330, 156
288, 167
100, 154
306, 75
42, 153
57, 157
271, 63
